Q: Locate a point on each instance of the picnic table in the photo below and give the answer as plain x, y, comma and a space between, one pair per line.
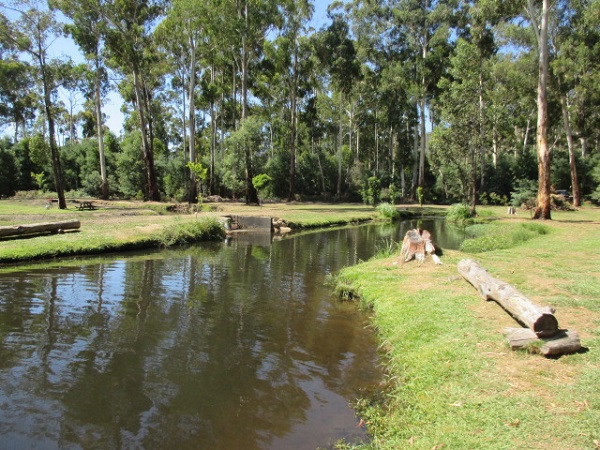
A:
86, 205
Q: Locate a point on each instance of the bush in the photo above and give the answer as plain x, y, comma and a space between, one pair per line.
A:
525, 194
185, 233
387, 211
371, 191
459, 213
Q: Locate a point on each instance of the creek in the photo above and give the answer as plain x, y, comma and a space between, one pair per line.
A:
232, 345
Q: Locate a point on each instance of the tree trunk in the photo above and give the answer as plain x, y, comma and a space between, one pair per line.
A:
542, 210
54, 151
339, 145
539, 319
571, 147
104, 188
192, 193
147, 137
293, 126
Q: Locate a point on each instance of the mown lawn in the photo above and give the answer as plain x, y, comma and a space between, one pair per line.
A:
453, 381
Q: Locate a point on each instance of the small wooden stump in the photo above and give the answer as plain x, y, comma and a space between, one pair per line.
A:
562, 343
417, 244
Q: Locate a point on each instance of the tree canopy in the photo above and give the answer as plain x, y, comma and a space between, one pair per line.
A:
462, 101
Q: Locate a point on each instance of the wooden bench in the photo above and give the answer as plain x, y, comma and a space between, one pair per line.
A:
86, 206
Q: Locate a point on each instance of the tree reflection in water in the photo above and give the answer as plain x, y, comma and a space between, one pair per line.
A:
221, 346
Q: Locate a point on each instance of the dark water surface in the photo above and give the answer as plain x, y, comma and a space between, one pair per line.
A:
235, 345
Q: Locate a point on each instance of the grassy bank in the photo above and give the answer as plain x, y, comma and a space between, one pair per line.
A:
120, 226
453, 381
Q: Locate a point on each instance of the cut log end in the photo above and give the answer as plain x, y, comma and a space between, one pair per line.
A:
546, 325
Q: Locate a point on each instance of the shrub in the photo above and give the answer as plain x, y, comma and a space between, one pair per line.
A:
525, 194
387, 211
208, 229
459, 213
371, 191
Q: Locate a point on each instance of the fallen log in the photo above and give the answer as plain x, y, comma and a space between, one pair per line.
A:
539, 319
37, 228
562, 343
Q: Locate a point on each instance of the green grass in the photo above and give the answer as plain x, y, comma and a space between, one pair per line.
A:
495, 236
452, 380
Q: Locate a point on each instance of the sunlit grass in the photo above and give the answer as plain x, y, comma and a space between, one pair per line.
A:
453, 381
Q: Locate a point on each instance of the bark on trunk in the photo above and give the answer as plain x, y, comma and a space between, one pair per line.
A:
540, 319
104, 188
36, 228
572, 157
543, 208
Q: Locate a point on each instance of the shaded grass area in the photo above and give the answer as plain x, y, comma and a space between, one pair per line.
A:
452, 380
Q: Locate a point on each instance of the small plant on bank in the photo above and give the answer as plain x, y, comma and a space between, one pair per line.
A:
200, 173
420, 195
261, 183
387, 211
207, 229
459, 213
386, 248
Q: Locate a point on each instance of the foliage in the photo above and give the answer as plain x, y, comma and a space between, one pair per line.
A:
459, 213
387, 211
262, 183
371, 191
525, 194
188, 232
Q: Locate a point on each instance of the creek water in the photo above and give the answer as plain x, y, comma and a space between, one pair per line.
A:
233, 345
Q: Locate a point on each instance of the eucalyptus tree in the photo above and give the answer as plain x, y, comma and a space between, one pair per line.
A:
33, 32
185, 35
246, 26
539, 18
132, 51
425, 25
17, 95
456, 142
336, 52
575, 43
295, 16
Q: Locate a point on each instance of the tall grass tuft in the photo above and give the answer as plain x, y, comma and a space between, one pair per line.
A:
207, 229
387, 211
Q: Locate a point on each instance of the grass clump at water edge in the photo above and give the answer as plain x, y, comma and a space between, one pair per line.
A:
206, 229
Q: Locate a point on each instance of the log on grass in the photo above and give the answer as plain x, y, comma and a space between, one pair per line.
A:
538, 318
562, 343
37, 228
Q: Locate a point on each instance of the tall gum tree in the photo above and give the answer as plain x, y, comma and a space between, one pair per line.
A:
132, 51
539, 21
86, 29
33, 32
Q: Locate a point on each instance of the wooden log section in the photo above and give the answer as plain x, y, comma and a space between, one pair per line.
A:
37, 228
540, 319
562, 343
417, 244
